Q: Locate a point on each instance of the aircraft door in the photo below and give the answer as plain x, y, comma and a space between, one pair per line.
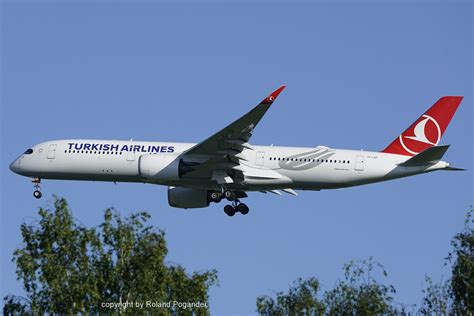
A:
259, 158
52, 151
359, 163
131, 153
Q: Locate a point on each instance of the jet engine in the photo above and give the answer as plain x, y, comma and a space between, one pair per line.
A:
188, 198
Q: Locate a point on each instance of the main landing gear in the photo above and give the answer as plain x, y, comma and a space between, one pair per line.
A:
235, 206
36, 183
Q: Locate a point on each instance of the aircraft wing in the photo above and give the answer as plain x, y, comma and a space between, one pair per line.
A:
223, 149
237, 134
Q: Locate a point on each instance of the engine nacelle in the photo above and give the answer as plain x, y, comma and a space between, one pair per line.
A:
158, 167
188, 198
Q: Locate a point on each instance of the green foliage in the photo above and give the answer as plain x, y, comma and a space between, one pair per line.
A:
67, 268
358, 294
301, 299
456, 295
462, 279
437, 298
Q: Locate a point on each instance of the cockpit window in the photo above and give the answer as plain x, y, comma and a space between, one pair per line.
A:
28, 151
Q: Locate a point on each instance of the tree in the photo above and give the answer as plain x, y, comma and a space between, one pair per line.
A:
462, 279
301, 299
67, 268
358, 294
437, 298
456, 295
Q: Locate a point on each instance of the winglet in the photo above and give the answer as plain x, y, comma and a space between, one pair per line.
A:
271, 98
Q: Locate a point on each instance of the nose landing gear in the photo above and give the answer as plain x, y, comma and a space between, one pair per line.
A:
36, 183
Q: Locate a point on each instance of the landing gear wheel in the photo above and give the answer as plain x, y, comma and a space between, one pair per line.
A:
229, 210
230, 195
37, 194
216, 197
243, 209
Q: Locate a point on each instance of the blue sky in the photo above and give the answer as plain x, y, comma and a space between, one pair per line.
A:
356, 74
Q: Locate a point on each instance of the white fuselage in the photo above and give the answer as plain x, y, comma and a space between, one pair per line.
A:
297, 167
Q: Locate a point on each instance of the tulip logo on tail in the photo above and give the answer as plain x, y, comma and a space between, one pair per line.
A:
425, 133
427, 130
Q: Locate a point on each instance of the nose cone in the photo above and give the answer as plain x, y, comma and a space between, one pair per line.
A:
15, 166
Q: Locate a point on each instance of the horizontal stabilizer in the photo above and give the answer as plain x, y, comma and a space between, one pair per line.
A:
454, 169
429, 155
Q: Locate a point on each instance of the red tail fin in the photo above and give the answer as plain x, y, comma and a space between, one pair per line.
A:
426, 131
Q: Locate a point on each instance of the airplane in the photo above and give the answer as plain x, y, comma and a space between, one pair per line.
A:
227, 166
